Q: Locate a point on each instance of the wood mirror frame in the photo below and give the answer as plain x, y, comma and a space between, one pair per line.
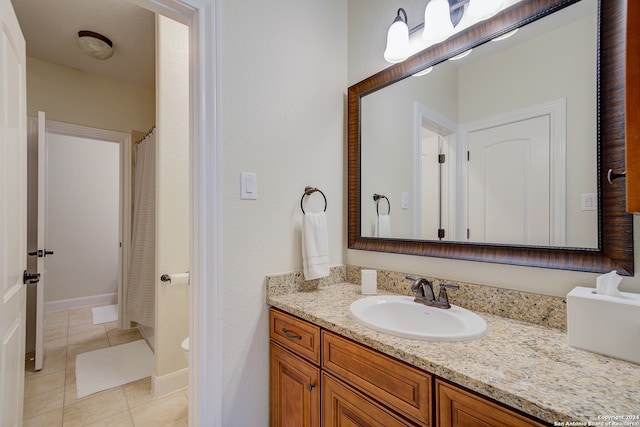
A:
615, 225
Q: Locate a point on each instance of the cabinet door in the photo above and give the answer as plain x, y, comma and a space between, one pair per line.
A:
294, 391
344, 407
459, 408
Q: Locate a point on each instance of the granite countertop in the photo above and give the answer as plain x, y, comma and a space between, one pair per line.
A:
525, 366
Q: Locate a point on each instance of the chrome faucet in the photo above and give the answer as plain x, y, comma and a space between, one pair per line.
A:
424, 292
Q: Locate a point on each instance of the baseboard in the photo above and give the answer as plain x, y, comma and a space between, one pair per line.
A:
169, 383
66, 304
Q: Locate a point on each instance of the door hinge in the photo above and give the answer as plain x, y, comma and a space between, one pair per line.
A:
440, 233
441, 158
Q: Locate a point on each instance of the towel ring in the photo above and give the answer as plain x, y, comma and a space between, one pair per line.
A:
377, 198
310, 190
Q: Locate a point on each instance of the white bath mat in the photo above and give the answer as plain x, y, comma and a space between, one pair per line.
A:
110, 367
108, 313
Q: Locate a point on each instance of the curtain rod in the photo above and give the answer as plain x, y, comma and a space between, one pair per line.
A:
149, 132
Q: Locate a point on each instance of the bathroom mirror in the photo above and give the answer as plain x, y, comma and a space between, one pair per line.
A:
613, 246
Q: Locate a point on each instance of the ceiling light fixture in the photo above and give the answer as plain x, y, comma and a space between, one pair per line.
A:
440, 19
95, 45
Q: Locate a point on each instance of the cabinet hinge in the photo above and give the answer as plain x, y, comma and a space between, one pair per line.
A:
440, 233
468, 155
468, 233
441, 158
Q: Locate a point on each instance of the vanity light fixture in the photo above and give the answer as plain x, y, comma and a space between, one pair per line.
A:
95, 45
397, 39
438, 25
440, 19
484, 9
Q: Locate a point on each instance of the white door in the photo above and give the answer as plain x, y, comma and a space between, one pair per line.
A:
42, 252
509, 183
13, 215
82, 218
430, 187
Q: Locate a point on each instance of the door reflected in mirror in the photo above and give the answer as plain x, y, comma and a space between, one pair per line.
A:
497, 147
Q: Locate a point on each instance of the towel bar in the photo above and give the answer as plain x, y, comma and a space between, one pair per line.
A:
377, 198
310, 190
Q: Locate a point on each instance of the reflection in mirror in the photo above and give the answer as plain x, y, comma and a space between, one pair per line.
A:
497, 147
614, 249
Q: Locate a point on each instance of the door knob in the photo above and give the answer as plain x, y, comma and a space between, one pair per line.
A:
30, 278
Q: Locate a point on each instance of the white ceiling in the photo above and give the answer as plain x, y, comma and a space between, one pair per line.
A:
50, 28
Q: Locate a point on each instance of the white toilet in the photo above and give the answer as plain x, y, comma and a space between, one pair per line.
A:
185, 348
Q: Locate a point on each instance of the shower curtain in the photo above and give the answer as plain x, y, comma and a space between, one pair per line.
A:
141, 290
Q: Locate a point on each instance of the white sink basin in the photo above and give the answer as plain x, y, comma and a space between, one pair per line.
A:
402, 317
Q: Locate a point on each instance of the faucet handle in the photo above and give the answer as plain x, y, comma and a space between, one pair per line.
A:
442, 296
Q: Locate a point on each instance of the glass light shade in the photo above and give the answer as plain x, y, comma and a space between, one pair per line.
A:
437, 21
397, 42
483, 9
95, 45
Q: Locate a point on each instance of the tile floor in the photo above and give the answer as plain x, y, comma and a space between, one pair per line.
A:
50, 394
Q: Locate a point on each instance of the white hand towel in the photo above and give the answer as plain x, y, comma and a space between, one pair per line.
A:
315, 246
383, 226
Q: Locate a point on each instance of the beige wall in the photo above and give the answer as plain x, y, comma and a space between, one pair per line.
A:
71, 96
172, 203
365, 58
282, 93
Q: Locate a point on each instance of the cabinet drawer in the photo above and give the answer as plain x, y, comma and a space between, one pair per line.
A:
457, 407
403, 388
295, 334
344, 406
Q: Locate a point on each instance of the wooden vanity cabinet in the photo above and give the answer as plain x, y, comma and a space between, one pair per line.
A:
456, 407
294, 360
321, 378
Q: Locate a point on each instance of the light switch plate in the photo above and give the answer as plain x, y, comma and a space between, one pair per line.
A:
589, 202
248, 186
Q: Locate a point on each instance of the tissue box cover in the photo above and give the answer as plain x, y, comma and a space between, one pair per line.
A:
604, 324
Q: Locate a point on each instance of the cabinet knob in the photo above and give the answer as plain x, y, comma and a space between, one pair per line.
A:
310, 387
